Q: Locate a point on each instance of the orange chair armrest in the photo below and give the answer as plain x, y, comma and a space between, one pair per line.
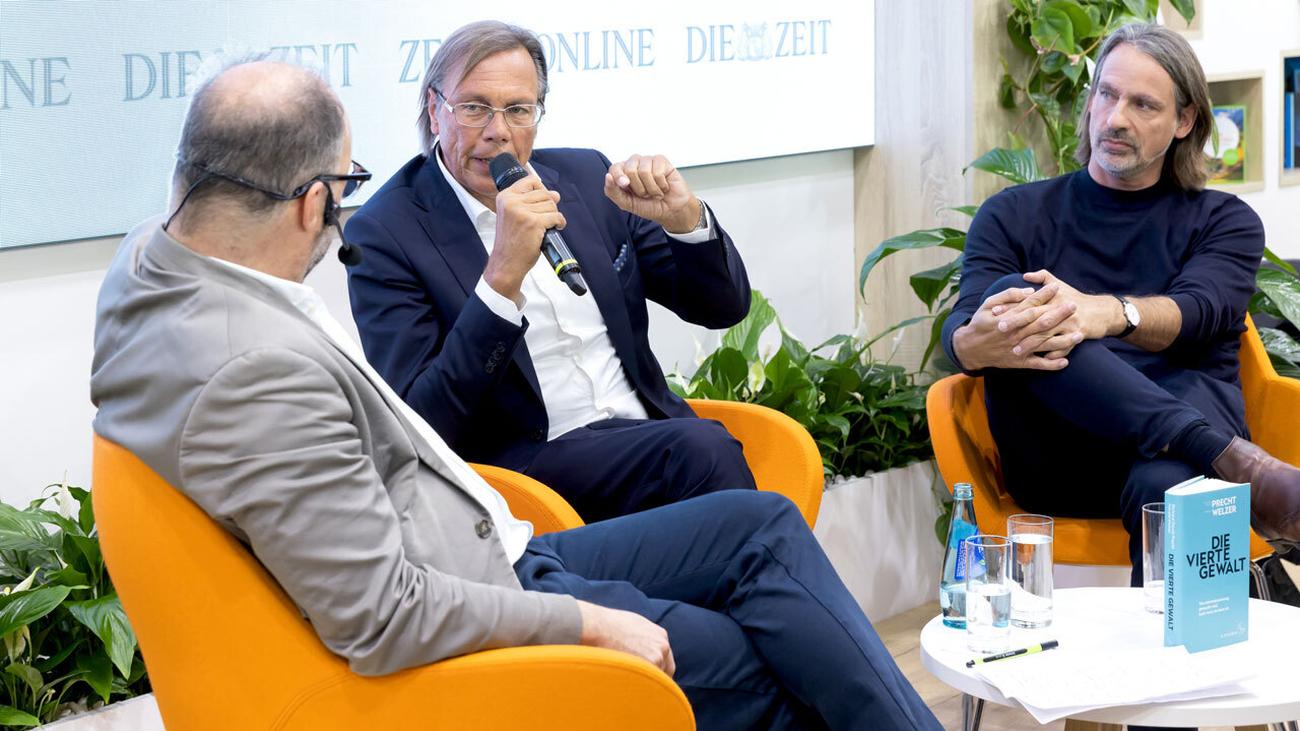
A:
530, 500
781, 454
543, 687
1273, 416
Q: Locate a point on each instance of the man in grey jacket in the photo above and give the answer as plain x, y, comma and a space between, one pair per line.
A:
222, 371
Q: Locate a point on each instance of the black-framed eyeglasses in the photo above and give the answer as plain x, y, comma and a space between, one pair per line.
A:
476, 114
352, 180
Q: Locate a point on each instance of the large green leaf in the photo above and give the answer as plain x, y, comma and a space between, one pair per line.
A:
97, 671
1283, 350
24, 607
29, 675
104, 617
744, 335
10, 716
897, 326
22, 542
1080, 22
1279, 261
1185, 8
1019, 35
88, 547
966, 210
1018, 166
936, 335
950, 238
1138, 8
1284, 290
24, 530
1007, 92
1053, 30
930, 284
798, 353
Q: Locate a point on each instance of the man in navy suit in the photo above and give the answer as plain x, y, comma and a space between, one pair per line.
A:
458, 311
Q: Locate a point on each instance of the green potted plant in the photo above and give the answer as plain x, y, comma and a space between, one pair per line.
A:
67, 642
868, 420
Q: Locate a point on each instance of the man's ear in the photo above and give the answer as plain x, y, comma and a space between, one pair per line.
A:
1186, 120
311, 213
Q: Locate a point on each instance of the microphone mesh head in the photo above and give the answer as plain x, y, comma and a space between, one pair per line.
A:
506, 170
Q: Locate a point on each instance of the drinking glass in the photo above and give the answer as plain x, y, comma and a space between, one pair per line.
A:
988, 593
1153, 557
1031, 569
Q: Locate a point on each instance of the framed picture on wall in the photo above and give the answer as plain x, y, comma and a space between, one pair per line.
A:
1226, 160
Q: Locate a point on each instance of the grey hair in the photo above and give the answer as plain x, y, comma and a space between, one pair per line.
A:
279, 147
1184, 162
464, 49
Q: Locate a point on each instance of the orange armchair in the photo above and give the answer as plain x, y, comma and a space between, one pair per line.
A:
780, 452
965, 451
227, 649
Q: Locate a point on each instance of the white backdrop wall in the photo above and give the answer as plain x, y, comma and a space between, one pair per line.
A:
791, 218
1249, 36
93, 91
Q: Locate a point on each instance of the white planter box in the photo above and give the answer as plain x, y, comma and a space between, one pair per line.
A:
133, 714
878, 531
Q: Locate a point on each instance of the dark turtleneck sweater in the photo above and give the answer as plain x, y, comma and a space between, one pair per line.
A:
1200, 248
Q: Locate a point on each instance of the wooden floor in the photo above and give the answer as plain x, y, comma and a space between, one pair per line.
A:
902, 635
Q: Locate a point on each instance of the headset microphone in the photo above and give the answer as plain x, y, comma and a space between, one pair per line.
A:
348, 254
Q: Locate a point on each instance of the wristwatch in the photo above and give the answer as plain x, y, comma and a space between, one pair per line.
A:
1132, 318
703, 217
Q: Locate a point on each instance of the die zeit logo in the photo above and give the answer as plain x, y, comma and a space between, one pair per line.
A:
757, 41
170, 74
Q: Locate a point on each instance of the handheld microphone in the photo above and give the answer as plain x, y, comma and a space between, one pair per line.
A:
506, 171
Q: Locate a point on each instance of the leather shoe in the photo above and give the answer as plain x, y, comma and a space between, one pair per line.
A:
1274, 491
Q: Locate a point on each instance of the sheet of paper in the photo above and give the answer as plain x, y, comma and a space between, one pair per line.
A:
1060, 683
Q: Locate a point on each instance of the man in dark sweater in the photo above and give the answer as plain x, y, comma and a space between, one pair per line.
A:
1104, 309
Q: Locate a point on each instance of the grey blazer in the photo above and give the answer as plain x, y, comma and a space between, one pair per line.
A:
240, 401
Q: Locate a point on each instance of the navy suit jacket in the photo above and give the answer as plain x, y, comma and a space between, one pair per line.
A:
467, 371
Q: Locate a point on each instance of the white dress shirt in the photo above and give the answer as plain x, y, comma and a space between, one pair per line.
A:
581, 377
513, 533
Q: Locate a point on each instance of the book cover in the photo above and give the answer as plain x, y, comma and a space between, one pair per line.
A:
1293, 71
1227, 162
1288, 130
1207, 553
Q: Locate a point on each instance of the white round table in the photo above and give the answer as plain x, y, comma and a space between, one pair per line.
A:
1114, 617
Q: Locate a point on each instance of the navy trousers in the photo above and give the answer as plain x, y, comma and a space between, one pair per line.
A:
764, 633
618, 466
1089, 441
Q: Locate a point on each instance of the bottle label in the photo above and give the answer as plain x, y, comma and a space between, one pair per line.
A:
961, 530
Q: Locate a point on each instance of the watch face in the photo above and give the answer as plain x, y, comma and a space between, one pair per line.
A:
1131, 314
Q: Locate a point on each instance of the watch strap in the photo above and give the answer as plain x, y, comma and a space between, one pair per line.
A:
1129, 325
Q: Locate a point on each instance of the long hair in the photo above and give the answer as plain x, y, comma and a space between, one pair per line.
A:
463, 50
1184, 161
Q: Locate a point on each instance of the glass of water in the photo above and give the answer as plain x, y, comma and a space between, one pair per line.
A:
988, 593
1153, 557
1031, 569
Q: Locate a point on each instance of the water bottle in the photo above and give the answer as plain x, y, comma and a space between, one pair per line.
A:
952, 584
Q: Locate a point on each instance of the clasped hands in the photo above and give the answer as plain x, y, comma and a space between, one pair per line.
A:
1023, 328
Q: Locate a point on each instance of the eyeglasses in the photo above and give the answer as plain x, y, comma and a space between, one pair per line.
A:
352, 181
474, 114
